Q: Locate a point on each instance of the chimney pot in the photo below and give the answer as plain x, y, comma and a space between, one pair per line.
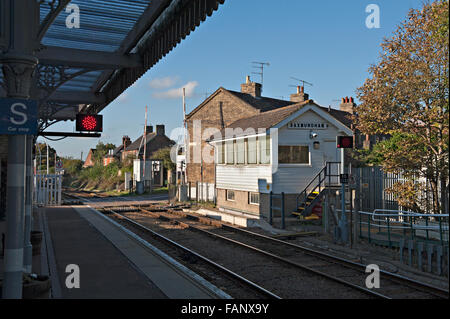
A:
160, 129
247, 79
347, 105
126, 141
300, 96
251, 88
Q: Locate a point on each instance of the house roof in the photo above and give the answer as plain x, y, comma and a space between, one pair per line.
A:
136, 144
150, 137
271, 118
117, 150
262, 103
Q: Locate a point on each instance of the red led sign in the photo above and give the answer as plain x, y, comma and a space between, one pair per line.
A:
89, 123
344, 142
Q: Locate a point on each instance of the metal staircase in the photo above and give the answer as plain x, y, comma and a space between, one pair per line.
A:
328, 177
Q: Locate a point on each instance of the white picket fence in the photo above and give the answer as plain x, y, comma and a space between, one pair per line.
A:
47, 190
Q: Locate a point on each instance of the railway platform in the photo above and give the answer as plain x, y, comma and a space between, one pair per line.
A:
112, 263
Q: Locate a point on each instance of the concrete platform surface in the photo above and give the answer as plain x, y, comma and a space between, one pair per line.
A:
112, 264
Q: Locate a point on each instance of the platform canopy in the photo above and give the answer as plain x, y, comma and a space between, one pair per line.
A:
84, 69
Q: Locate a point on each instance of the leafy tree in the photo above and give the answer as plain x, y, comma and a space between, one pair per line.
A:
41, 158
407, 97
72, 166
101, 151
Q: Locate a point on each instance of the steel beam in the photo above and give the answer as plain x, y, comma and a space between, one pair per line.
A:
67, 134
87, 58
74, 97
52, 15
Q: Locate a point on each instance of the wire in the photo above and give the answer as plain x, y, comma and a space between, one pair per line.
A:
54, 140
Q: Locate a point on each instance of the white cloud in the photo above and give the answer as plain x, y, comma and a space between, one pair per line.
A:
163, 83
177, 93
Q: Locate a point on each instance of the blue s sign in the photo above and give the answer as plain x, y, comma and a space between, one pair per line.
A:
18, 117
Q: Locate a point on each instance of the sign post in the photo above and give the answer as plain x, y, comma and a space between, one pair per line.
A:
343, 142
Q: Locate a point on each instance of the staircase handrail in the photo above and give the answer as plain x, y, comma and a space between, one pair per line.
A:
305, 190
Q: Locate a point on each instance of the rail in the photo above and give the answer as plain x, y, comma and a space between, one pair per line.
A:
320, 181
411, 225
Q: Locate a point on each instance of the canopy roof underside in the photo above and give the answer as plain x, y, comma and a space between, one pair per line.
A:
84, 69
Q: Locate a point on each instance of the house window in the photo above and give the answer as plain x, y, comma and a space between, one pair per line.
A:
251, 150
253, 198
221, 153
264, 149
230, 195
240, 152
293, 154
230, 152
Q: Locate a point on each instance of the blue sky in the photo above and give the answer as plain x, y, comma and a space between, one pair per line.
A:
325, 42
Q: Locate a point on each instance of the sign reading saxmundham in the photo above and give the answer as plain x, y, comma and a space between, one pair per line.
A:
18, 117
307, 125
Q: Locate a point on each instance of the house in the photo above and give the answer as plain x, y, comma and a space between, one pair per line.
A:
155, 141
279, 151
89, 162
274, 145
116, 154
218, 111
135, 151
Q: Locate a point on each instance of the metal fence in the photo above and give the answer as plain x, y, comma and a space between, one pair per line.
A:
392, 226
47, 190
202, 192
373, 184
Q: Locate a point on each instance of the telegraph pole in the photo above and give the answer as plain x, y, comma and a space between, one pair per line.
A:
186, 142
145, 145
48, 172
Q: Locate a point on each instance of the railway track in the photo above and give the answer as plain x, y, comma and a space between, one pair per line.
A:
342, 272
281, 278
345, 272
237, 282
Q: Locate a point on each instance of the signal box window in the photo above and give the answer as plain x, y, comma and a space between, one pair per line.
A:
293, 154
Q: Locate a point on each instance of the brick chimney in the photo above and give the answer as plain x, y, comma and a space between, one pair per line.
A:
149, 129
126, 141
347, 105
300, 96
251, 88
160, 130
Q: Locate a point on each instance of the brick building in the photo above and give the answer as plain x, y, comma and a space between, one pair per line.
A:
89, 162
155, 141
248, 109
218, 111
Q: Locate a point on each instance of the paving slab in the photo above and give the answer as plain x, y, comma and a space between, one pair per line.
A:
104, 271
172, 281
